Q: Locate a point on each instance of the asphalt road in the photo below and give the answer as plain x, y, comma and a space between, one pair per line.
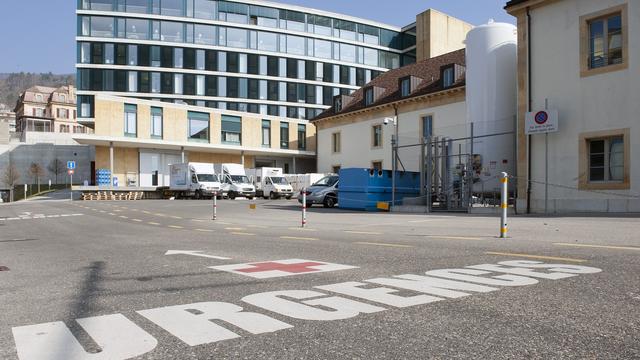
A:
106, 262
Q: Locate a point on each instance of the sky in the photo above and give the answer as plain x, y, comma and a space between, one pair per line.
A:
44, 40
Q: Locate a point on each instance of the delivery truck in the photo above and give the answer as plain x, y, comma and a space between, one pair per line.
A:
193, 180
270, 183
235, 182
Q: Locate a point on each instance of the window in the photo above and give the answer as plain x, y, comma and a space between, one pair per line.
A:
85, 53
347, 53
267, 41
295, 45
109, 54
376, 165
205, 9
137, 29
368, 96
231, 130
172, 7
605, 41
405, 87
204, 34
156, 123
132, 82
198, 126
322, 49
335, 143
266, 133
137, 6
233, 12
284, 135
605, 160
132, 55
172, 31
102, 26
130, 120
376, 136
155, 83
302, 137
236, 38
427, 126
337, 104
448, 77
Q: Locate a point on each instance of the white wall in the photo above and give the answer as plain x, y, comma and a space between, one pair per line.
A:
602, 102
449, 120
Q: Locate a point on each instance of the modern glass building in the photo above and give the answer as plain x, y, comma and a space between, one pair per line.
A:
245, 55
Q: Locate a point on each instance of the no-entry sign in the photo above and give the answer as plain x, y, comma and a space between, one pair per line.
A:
541, 122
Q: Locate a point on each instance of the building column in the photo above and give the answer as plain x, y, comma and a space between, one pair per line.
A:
111, 163
295, 167
182, 154
242, 157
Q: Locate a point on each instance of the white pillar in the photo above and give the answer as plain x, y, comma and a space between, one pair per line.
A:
242, 157
111, 163
182, 154
295, 167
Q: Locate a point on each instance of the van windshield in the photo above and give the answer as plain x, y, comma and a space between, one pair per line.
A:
207, 178
279, 181
239, 179
327, 181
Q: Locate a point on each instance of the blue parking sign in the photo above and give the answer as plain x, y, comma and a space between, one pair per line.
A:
71, 165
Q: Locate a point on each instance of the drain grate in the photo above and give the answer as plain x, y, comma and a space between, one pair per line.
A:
4, 268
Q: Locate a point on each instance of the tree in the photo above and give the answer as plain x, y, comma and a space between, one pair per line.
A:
57, 167
36, 171
10, 177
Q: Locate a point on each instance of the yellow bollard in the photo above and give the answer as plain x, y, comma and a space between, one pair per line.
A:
252, 206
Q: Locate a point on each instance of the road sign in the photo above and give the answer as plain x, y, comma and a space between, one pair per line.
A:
541, 122
70, 172
71, 165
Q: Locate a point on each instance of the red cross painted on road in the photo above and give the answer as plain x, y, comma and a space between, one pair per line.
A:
290, 268
279, 268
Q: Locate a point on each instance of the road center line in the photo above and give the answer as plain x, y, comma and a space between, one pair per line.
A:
234, 229
384, 244
535, 256
176, 227
204, 230
600, 246
363, 232
153, 223
136, 220
243, 234
298, 238
453, 237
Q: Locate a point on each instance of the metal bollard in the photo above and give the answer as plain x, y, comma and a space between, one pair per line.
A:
504, 205
215, 205
304, 207
25, 191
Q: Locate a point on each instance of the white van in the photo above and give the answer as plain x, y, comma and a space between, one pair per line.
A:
270, 183
235, 182
196, 180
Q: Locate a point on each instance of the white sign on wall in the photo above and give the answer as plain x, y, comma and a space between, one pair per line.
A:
541, 122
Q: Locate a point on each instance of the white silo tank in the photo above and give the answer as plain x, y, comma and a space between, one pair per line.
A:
491, 77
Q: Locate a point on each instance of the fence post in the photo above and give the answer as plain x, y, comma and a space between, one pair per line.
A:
504, 205
304, 207
215, 205
25, 191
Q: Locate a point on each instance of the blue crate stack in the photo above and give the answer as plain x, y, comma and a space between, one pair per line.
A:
103, 177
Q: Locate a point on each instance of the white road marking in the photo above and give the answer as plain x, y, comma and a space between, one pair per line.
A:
39, 216
118, 337
194, 253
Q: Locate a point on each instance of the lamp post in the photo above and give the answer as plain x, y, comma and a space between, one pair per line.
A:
394, 153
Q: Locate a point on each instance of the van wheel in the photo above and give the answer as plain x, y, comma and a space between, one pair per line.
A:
329, 201
288, 197
273, 196
232, 196
198, 195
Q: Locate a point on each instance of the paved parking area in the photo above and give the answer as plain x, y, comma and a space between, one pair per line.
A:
161, 280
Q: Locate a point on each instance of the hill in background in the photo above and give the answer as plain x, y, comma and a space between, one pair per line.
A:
11, 85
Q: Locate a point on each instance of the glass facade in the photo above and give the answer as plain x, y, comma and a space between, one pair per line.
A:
262, 59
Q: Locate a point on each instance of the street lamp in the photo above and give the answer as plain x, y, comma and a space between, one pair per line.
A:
394, 151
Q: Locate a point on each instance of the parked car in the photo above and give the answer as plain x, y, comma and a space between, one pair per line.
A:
324, 192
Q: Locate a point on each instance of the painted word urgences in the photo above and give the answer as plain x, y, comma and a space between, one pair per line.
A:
120, 338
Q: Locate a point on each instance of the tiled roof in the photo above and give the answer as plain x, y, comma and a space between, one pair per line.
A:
427, 70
